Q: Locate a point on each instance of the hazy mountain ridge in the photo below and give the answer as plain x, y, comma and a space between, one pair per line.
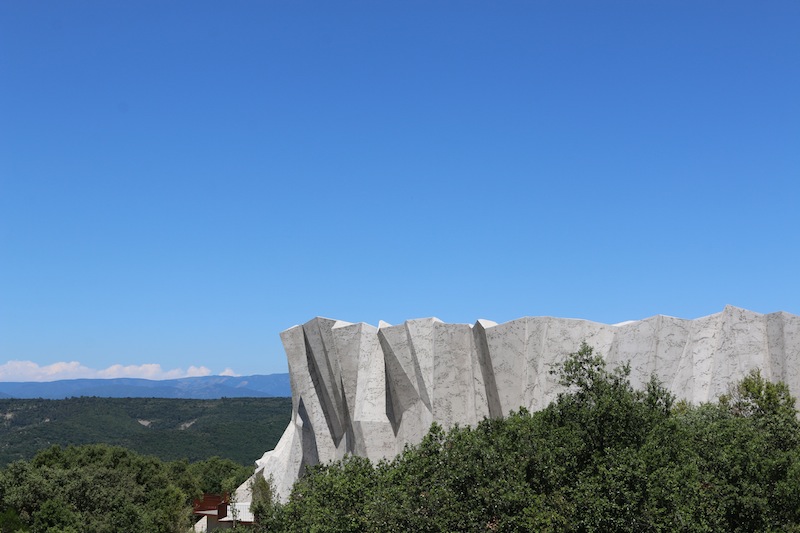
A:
200, 388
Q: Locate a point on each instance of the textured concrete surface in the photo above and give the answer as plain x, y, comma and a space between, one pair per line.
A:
368, 391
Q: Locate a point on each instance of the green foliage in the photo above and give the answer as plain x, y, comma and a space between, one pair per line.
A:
94, 489
332, 498
602, 457
101, 488
10, 521
238, 429
264, 503
770, 406
55, 516
219, 475
755, 396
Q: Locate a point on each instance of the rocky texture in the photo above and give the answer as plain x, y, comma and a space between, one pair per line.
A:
368, 391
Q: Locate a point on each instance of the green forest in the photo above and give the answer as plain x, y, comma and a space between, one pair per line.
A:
602, 457
99, 488
240, 429
110, 465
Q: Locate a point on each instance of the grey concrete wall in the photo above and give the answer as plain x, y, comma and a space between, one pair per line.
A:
368, 391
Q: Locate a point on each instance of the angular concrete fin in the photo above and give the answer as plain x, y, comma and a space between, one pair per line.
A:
322, 378
347, 341
293, 340
671, 338
310, 452
455, 395
348, 427
487, 370
420, 343
400, 391
791, 352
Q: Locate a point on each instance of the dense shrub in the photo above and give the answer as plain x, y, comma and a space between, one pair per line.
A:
106, 489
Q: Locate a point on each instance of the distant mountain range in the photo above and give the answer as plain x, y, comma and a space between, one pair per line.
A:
199, 388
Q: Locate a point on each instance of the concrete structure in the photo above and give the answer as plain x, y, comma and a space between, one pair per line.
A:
368, 391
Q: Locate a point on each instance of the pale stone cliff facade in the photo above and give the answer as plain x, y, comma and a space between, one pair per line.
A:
368, 391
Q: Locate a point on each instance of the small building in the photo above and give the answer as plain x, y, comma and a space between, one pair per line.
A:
217, 512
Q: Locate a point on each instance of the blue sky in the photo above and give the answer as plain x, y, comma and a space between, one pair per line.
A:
181, 181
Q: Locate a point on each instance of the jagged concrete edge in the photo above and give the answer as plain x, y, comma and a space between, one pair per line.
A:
369, 390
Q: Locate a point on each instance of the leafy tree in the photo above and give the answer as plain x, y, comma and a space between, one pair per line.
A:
95, 489
264, 503
55, 516
758, 397
770, 405
10, 521
217, 475
332, 498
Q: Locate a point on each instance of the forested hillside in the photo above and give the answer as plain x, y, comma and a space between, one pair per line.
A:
240, 429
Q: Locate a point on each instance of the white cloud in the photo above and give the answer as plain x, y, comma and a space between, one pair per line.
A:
147, 371
229, 372
197, 371
30, 371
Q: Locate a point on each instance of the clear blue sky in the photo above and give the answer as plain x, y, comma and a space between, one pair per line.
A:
181, 181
